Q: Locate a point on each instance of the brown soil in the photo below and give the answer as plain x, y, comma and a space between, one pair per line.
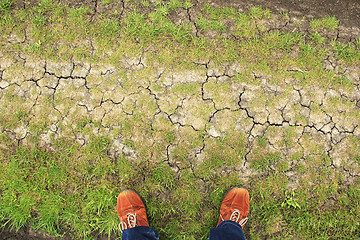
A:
22, 234
347, 11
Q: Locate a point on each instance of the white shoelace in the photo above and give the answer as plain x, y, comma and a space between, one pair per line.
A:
235, 216
131, 222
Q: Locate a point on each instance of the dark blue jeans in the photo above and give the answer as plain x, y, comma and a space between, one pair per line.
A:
226, 230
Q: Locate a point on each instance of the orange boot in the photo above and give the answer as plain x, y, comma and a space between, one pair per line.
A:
131, 210
235, 206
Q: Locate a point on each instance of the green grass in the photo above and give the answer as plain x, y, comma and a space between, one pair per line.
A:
77, 188
6, 5
329, 23
346, 52
72, 189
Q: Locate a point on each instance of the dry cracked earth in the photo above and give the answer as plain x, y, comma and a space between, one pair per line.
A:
205, 100
65, 93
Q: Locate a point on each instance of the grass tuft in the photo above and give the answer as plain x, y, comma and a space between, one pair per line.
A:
6, 5
329, 23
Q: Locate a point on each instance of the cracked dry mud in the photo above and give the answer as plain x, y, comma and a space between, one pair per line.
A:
207, 98
197, 105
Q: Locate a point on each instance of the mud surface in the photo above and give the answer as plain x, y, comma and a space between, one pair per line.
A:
22, 234
347, 11
309, 111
